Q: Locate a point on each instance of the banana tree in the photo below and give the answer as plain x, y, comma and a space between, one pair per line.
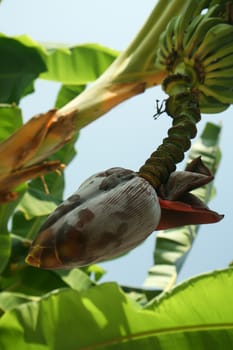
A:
187, 48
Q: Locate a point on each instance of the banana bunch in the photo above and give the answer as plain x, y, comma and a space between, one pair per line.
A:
201, 48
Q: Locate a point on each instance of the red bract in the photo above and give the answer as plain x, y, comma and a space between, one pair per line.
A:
180, 207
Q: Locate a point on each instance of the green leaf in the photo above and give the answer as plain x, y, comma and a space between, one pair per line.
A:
26, 228
25, 279
9, 300
36, 203
140, 295
94, 270
10, 120
5, 244
20, 65
19, 249
81, 279
195, 315
76, 279
77, 65
173, 245
6, 211
55, 181
67, 93
26, 221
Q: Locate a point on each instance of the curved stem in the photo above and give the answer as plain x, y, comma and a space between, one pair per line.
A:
182, 106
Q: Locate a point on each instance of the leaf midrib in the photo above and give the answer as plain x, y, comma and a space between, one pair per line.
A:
191, 328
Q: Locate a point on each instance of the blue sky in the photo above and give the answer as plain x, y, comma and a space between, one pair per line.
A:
127, 135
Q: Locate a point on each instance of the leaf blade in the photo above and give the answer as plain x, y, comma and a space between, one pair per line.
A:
20, 65
10, 120
181, 317
77, 65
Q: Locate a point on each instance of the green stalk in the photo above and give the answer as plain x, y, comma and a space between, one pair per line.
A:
182, 106
143, 48
130, 74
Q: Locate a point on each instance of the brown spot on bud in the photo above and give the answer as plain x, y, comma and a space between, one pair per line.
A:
75, 198
122, 228
114, 177
85, 216
71, 243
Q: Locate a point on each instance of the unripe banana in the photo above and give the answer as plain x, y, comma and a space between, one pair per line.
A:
225, 63
224, 51
169, 34
209, 103
192, 46
203, 50
111, 213
216, 37
218, 92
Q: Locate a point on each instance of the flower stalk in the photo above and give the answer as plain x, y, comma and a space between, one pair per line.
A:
182, 107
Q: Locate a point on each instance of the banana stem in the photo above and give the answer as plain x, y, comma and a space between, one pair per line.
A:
130, 74
142, 51
102, 97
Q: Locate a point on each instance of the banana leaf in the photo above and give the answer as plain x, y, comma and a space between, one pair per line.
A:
194, 315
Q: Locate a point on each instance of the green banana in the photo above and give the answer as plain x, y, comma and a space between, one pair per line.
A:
178, 34
166, 46
191, 34
191, 30
198, 36
161, 60
222, 52
163, 45
209, 104
225, 62
222, 5
202, 49
216, 37
224, 73
183, 21
219, 82
219, 92
169, 35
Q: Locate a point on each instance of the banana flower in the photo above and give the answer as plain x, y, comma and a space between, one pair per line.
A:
114, 211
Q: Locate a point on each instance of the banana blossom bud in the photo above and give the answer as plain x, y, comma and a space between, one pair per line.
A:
114, 211
111, 213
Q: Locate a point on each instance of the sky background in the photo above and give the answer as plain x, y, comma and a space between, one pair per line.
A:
128, 134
